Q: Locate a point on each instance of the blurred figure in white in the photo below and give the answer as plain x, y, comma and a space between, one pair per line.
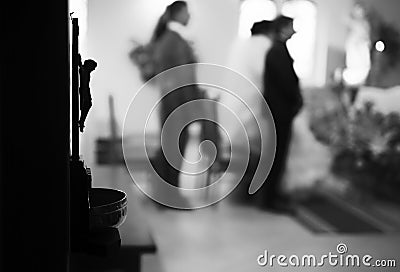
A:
358, 43
247, 58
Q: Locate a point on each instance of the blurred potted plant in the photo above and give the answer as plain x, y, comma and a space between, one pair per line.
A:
366, 147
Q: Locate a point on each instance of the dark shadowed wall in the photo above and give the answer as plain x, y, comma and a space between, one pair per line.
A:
34, 136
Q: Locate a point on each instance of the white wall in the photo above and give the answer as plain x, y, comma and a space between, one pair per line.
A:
112, 24
111, 27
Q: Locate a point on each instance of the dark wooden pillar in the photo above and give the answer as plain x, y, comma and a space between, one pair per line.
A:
34, 129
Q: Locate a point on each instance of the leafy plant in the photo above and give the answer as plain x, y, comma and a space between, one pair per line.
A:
366, 144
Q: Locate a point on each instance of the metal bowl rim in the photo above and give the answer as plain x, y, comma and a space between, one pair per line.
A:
120, 204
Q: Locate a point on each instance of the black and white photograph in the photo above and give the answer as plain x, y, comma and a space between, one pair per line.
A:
200, 135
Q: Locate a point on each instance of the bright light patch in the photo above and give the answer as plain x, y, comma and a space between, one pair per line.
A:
380, 46
252, 11
301, 45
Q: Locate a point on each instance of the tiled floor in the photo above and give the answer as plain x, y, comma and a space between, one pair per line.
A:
230, 237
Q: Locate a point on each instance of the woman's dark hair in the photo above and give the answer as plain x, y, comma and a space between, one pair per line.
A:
170, 13
261, 27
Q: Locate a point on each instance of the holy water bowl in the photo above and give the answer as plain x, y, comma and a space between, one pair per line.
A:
108, 208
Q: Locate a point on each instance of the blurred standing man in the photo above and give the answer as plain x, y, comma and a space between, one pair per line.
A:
282, 93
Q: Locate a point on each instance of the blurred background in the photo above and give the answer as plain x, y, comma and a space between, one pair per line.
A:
343, 161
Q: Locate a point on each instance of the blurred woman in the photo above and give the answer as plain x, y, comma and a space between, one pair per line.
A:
173, 49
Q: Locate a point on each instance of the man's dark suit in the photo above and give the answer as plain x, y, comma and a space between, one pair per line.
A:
282, 93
